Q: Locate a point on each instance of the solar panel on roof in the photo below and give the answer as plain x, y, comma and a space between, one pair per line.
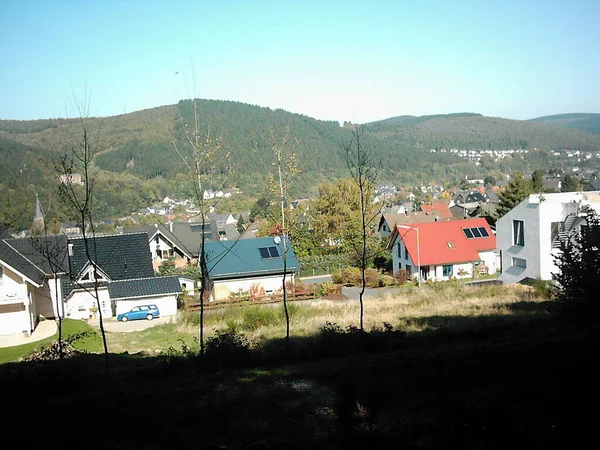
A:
476, 232
468, 233
264, 252
483, 231
274, 252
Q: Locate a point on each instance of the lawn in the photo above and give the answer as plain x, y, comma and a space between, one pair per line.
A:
92, 343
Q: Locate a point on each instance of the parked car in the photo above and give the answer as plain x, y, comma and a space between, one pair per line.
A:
148, 312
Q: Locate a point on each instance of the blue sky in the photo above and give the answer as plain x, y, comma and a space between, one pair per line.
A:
342, 60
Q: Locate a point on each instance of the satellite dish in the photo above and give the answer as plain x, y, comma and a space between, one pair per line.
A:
277, 240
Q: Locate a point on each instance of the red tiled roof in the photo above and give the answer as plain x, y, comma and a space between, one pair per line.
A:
434, 241
438, 209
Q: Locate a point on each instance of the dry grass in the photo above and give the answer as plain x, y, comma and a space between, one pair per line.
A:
439, 306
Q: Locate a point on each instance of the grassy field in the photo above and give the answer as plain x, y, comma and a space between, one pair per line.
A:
433, 307
466, 367
91, 344
444, 305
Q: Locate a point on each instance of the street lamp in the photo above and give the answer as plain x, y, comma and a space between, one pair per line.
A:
408, 227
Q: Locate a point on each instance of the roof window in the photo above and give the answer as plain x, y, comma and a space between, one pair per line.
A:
475, 232
268, 252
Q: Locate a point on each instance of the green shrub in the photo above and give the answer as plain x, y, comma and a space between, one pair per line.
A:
228, 348
255, 317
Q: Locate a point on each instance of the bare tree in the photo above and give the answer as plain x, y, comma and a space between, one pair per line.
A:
364, 172
52, 251
286, 168
80, 198
205, 160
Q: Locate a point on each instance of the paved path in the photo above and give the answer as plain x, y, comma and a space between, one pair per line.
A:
316, 279
111, 325
45, 329
354, 292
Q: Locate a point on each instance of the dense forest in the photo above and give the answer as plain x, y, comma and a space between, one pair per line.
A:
589, 122
137, 164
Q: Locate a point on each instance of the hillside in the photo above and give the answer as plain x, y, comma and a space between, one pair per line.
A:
137, 161
589, 122
473, 131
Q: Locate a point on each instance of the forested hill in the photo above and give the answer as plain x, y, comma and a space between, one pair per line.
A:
141, 143
589, 122
474, 131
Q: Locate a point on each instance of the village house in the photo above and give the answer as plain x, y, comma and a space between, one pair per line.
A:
238, 266
443, 250
529, 236
55, 276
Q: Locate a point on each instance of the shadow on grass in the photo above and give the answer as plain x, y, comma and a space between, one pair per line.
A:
481, 382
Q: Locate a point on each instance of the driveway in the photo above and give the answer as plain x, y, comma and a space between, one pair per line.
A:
111, 325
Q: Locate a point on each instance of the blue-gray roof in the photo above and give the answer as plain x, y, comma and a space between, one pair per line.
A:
144, 287
242, 258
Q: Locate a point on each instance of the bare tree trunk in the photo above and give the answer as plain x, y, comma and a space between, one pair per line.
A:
82, 202
360, 165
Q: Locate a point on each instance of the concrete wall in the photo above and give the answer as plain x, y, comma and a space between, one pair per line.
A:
167, 305
222, 289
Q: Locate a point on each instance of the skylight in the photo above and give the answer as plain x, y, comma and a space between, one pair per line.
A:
475, 232
268, 252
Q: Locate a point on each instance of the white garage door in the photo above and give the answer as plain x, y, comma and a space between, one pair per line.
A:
167, 306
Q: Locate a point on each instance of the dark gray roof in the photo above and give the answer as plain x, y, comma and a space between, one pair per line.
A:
189, 234
151, 230
242, 258
144, 287
119, 256
35, 257
595, 185
13, 259
492, 196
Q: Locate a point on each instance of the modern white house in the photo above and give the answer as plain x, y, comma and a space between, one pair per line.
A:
529, 236
440, 251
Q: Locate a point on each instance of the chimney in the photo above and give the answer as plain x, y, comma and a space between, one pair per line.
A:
70, 247
171, 226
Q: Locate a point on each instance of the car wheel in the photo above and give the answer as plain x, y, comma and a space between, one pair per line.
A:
149, 317
124, 319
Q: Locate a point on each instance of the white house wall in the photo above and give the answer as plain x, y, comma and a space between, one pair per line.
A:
270, 284
537, 216
167, 305
16, 291
80, 304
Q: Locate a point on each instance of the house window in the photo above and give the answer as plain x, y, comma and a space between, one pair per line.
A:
1, 273
448, 270
405, 252
156, 239
399, 249
519, 262
518, 233
384, 227
408, 270
268, 252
